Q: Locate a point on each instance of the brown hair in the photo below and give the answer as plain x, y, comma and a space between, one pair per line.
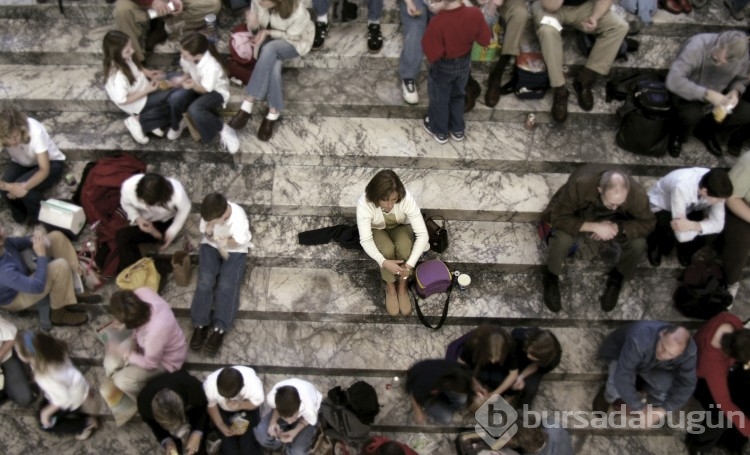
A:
543, 345
229, 382
213, 206
12, 120
736, 345
112, 45
382, 185
154, 189
197, 43
40, 350
284, 8
287, 401
489, 342
127, 308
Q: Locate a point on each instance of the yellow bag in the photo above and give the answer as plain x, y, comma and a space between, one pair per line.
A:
141, 274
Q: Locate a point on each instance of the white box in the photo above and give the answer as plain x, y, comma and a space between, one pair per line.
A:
62, 215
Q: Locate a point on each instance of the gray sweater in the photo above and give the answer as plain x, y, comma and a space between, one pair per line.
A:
693, 71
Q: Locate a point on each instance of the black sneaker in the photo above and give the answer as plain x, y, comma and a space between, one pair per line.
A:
198, 338
215, 338
321, 30
440, 138
612, 291
374, 38
551, 285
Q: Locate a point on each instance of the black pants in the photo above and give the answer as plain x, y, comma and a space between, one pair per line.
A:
526, 396
245, 444
67, 422
691, 115
663, 238
130, 237
736, 246
723, 435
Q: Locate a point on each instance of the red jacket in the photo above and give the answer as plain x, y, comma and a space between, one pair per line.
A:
452, 33
376, 441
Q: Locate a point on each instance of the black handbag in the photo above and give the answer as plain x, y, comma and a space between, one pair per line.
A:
438, 233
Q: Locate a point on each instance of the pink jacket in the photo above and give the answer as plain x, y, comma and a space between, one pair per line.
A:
160, 339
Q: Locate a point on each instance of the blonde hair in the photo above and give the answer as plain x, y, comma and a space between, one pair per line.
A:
169, 412
12, 120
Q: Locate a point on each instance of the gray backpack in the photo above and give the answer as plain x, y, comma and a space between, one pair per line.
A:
341, 424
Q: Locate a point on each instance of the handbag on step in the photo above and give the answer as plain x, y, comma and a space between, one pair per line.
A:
438, 233
432, 277
141, 274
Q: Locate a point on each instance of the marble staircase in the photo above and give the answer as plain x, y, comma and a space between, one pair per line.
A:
317, 312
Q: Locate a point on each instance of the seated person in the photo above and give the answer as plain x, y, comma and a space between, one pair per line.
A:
490, 353
662, 355
609, 204
438, 388
722, 341
49, 286
173, 405
710, 72
132, 18
736, 235
374, 12
17, 383
231, 392
545, 439
36, 164
689, 209
538, 352
221, 271
291, 425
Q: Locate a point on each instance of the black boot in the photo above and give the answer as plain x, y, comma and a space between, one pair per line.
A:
612, 291
473, 89
600, 403
582, 86
492, 95
551, 283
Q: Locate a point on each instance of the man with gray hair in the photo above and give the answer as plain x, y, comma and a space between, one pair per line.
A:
609, 205
709, 75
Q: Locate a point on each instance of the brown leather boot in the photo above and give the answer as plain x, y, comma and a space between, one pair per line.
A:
239, 120
63, 316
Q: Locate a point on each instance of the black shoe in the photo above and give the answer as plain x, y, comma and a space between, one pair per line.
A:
600, 403
684, 258
560, 104
510, 86
675, 146
266, 129
215, 338
321, 30
239, 120
551, 283
198, 338
734, 147
585, 97
374, 38
89, 298
711, 143
654, 256
612, 291
156, 35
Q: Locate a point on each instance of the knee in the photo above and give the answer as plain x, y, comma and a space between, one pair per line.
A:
57, 237
59, 267
519, 14
638, 244
547, 33
389, 250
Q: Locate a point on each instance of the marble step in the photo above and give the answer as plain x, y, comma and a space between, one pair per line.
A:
366, 141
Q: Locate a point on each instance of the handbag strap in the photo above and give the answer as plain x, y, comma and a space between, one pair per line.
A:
444, 223
421, 316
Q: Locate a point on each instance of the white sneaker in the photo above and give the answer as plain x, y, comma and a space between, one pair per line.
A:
175, 134
229, 139
409, 90
134, 126
158, 132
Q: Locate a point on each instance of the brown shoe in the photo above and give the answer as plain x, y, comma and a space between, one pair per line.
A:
191, 127
88, 297
391, 303
560, 104
63, 316
266, 129
239, 120
404, 304
585, 97
215, 338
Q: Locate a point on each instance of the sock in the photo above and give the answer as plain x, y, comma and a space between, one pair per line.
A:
323, 18
273, 115
247, 106
373, 22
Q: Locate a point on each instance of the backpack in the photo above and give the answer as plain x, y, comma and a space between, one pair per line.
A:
360, 398
241, 60
341, 424
646, 119
624, 86
703, 293
100, 199
532, 80
586, 41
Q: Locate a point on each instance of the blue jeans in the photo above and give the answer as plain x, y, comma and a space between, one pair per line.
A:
203, 109
265, 82
441, 409
447, 89
163, 109
374, 8
739, 5
219, 283
26, 209
413, 30
658, 383
17, 384
240, 445
301, 445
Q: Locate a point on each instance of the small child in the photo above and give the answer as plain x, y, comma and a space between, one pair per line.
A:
222, 263
205, 88
294, 417
447, 44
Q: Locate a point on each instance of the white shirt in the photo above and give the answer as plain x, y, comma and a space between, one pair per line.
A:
297, 30
235, 227
370, 216
309, 397
252, 390
40, 142
7, 333
177, 208
677, 192
63, 385
209, 73
118, 88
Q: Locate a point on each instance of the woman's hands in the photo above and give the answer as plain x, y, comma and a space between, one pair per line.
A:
398, 267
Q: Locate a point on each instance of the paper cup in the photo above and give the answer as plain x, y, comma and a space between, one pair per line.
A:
463, 281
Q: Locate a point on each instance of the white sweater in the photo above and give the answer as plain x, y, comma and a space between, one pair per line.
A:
177, 208
63, 385
298, 29
370, 216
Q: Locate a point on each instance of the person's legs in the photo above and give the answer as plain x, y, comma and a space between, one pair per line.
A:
439, 86
178, 102
375, 10
658, 383
632, 252
321, 7
413, 28
66, 422
526, 396
61, 248
707, 439
662, 237
128, 239
156, 113
132, 379
271, 53
610, 392
458, 94
133, 21
551, 42
402, 236
12, 173
194, 13
736, 247
302, 444
559, 246
204, 113
386, 247
228, 290
516, 15
17, 384
261, 434
209, 265
442, 411
610, 31
33, 199
688, 115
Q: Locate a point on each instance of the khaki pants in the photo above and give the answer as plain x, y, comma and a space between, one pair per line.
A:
610, 31
393, 243
133, 20
516, 14
132, 379
59, 283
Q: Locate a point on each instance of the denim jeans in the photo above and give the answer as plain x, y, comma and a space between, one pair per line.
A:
441, 410
658, 383
413, 30
26, 209
374, 8
17, 384
265, 83
739, 5
163, 109
447, 89
245, 444
299, 446
219, 283
203, 109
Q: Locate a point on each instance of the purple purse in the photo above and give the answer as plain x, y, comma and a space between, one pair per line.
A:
433, 277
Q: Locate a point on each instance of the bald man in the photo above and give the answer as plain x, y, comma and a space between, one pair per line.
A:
664, 356
607, 205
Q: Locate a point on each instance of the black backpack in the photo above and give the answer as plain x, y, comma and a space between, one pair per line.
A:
703, 293
360, 398
646, 119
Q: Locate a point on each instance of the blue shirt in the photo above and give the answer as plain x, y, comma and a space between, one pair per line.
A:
14, 276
